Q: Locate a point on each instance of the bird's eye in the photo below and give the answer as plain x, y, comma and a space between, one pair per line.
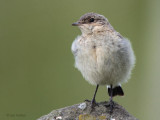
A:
91, 20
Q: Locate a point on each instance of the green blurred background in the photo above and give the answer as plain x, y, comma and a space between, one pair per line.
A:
37, 71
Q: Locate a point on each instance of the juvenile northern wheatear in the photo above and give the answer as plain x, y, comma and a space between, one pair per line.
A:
102, 55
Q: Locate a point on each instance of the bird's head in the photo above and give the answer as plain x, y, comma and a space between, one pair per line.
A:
91, 23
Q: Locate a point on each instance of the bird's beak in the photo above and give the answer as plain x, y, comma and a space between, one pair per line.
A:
76, 24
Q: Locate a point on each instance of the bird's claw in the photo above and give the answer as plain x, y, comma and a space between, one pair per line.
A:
93, 103
87, 100
111, 105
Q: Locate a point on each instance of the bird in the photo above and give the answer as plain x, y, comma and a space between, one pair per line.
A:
102, 55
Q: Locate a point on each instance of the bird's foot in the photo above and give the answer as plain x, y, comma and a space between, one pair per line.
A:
110, 104
86, 100
93, 103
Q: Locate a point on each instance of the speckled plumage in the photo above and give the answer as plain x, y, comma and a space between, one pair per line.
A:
102, 55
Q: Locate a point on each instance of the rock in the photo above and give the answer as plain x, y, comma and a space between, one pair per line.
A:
83, 111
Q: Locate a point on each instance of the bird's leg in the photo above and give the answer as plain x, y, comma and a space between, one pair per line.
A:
111, 103
93, 102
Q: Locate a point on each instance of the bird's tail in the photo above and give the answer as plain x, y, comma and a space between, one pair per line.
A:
117, 90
